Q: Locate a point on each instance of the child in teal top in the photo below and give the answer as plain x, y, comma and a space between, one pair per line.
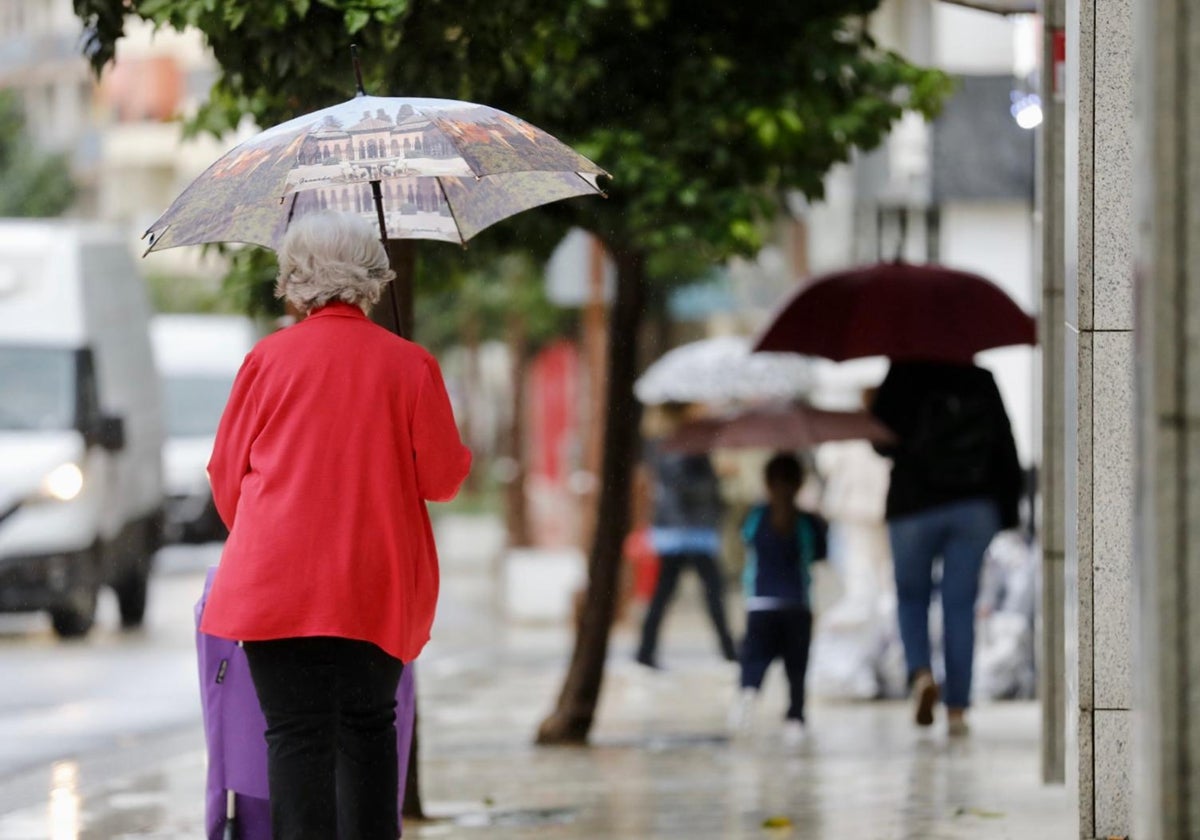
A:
782, 543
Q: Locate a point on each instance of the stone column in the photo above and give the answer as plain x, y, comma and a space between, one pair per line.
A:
1052, 636
1099, 445
1167, 730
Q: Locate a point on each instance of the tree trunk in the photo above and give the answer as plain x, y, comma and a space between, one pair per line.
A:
515, 511
397, 300
572, 717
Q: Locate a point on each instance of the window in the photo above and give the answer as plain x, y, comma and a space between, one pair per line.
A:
193, 404
38, 384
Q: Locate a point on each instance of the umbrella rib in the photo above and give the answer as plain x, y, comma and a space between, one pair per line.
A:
602, 193
291, 210
453, 216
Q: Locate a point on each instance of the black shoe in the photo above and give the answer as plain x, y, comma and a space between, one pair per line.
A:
648, 661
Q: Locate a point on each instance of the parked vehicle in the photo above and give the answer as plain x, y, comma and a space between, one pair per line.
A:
81, 492
197, 357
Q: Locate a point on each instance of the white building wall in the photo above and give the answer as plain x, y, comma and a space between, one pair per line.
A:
995, 240
970, 41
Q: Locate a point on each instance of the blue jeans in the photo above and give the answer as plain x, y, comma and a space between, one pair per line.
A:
959, 533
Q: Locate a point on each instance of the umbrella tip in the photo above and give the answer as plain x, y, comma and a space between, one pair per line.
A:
358, 82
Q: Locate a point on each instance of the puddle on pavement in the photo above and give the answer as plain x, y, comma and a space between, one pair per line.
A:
517, 818
512, 818
665, 741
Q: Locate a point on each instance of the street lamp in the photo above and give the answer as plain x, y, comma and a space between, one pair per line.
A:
1026, 109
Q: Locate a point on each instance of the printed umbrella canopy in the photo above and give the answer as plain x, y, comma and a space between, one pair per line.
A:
898, 310
422, 168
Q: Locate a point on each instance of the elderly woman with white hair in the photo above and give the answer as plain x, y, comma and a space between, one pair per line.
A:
335, 435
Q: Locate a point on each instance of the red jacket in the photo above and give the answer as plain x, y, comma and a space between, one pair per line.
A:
335, 435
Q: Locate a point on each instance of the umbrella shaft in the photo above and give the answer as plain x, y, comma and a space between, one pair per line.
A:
377, 195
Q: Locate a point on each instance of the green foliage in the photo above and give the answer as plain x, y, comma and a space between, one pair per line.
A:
484, 299
31, 183
249, 284
705, 114
168, 293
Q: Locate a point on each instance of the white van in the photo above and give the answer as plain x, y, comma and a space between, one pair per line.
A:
197, 357
81, 491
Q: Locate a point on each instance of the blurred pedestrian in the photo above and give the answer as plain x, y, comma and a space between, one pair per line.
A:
856, 642
335, 435
955, 483
685, 533
782, 543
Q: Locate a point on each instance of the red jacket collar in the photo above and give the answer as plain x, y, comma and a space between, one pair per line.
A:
337, 308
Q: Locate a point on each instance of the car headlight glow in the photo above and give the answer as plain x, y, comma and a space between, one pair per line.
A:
64, 482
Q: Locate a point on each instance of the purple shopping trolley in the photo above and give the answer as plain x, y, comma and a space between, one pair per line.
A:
236, 802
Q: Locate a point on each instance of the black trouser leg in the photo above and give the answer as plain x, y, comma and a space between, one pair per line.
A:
368, 770
714, 598
670, 566
329, 703
796, 630
760, 646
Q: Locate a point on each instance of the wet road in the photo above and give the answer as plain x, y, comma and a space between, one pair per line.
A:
113, 692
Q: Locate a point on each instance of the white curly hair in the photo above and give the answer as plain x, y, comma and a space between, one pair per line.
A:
327, 256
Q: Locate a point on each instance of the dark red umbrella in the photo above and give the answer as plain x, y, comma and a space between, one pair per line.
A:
788, 427
898, 310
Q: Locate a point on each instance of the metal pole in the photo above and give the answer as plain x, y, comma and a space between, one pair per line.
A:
1050, 198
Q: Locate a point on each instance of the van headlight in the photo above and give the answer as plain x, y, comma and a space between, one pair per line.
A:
62, 483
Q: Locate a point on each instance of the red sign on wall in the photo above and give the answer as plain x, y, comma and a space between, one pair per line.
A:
1058, 47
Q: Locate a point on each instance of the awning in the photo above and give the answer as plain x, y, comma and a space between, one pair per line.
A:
1000, 7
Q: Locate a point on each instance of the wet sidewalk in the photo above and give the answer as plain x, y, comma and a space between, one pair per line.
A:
661, 764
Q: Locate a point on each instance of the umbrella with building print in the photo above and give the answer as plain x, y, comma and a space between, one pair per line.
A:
423, 168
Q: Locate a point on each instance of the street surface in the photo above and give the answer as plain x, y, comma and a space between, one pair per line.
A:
112, 695
102, 739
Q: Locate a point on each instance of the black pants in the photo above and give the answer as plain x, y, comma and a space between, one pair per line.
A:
330, 706
671, 566
772, 634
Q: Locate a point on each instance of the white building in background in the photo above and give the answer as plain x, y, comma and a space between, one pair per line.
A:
123, 134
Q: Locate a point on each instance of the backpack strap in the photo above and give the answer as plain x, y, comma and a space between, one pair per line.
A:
749, 531
750, 525
808, 551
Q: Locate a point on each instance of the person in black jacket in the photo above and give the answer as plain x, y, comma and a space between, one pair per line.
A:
955, 482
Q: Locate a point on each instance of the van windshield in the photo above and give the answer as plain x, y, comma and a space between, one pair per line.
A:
194, 403
37, 389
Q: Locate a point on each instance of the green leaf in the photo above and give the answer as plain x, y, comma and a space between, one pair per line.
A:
356, 19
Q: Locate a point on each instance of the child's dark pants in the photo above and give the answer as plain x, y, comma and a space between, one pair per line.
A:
782, 633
